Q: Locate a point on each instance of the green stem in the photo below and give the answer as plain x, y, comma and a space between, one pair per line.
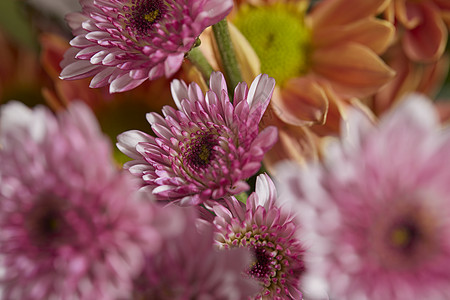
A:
196, 57
229, 61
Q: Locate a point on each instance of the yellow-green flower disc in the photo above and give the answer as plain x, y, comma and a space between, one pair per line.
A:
279, 37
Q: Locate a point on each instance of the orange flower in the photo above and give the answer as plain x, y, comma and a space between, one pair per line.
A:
320, 59
422, 27
334, 46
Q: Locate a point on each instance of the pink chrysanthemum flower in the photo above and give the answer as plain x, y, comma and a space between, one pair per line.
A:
269, 233
207, 148
190, 267
71, 226
376, 211
125, 42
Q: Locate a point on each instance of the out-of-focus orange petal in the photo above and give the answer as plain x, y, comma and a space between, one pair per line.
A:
410, 77
408, 15
338, 12
406, 79
444, 9
389, 12
53, 47
294, 143
374, 33
336, 110
433, 76
301, 102
426, 42
352, 69
443, 108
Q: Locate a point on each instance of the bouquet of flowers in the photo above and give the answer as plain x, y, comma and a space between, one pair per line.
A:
220, 149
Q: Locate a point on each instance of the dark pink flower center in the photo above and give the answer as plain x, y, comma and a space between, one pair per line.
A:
45, 222
201, 151
145, 13
405, 236
262, 264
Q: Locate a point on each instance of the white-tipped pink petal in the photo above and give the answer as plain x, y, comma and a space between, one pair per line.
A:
259, 94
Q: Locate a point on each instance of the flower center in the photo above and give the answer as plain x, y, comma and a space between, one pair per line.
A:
261, 266
276, 263
145, 13
201, 151
279, 37
45, 221
405, 236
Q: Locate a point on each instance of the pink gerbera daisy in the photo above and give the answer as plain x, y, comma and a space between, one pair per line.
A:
269, 233
376, 211
71, 226
125, 42
190, 267
207, 148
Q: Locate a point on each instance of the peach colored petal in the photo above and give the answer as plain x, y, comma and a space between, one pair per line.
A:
444, 9
410, 77
207, 47
389, 12
194, 75
300, 102
446, 17
352, 69
408, 15
426, 42
443, 108
336, 110
434, 75
294, 143
406, 79
53, 48
339, 12
374, 33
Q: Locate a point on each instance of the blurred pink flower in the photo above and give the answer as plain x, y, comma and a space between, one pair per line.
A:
375, 213
206, 149
125, 42
71, 224
269, 232
188, 265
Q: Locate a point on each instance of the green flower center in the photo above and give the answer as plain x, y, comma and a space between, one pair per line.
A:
279, 37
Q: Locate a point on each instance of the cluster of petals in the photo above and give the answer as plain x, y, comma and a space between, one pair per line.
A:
72, 225
375, 212
422, 26
261, 226
122, 43
411, 76
188, 265
207, 148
